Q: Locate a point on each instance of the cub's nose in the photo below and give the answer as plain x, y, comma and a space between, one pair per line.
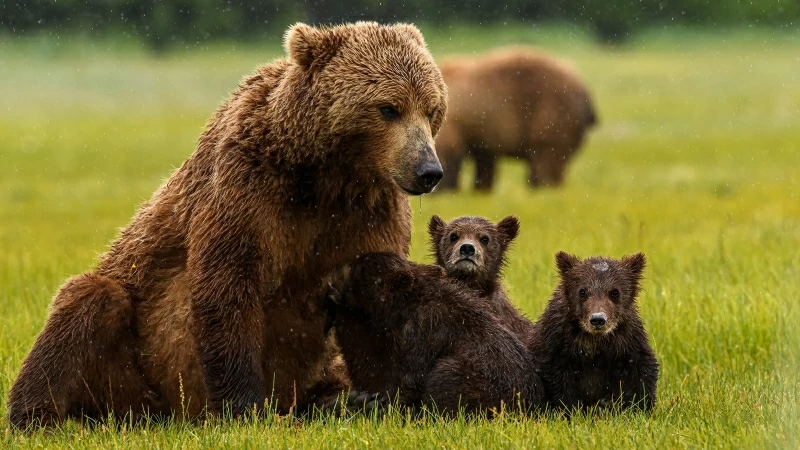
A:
597, 320
467, 249
428, 174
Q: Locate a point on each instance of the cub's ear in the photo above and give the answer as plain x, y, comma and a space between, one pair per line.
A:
436, 229
565, 262
305, 44
401, 281
635, 264
508, 228
411, 32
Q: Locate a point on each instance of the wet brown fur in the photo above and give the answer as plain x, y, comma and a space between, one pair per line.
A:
514, 103
583, 365
413, 333
484, 275
211, 295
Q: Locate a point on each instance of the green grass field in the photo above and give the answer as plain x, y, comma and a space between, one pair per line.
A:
696, 163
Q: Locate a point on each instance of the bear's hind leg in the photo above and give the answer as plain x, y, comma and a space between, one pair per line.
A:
83, 364
485, 168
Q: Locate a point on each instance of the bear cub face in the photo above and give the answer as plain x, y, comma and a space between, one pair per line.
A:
472, 249
600, 292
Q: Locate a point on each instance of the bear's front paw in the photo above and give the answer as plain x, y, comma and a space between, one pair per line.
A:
356, 402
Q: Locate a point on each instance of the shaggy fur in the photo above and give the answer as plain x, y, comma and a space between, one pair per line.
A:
583, 360
514, 103
409, 330
473, 251
211, 296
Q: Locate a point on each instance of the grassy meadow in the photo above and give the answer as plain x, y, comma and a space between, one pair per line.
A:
696, 163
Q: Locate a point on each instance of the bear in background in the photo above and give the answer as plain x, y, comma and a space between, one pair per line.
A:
513, 103
210, 299
590, 346
473, 251
412, 334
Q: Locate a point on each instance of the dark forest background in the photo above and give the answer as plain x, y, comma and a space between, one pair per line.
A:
158, 23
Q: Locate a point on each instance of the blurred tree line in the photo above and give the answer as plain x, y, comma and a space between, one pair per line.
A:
159, 22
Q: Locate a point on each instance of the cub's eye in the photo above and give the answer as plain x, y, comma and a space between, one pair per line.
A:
614, 294
582, 293
431, 115
484, 240
389, 112
453, 237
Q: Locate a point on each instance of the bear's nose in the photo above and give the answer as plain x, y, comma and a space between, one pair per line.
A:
598, 319
428, 174
467, 249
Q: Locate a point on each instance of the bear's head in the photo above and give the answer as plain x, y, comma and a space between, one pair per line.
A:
600, 292
376, 276
378, 97
472, 249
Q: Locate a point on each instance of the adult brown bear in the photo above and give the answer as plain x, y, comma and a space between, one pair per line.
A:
212, 296
516, 103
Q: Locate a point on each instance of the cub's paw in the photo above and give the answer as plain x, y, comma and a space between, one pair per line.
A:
356, 402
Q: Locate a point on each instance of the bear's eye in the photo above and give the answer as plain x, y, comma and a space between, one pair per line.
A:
453, 237
484, 240
614, 294
582, 293
389, 112
431, 115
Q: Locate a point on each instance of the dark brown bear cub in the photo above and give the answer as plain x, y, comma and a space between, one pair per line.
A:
473, 251
408, 331
590, 346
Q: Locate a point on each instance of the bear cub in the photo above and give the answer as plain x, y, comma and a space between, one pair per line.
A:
473, 251
411, 333
590, 346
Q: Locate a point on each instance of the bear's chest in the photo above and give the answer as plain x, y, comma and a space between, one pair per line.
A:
597, 379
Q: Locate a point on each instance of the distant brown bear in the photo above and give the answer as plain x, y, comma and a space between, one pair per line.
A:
515, 103
590, 346
473, 251
212, 295
408, 329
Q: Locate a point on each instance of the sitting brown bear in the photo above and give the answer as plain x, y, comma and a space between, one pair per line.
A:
590, 346
211, 296
473, 251
409, 330
515, 103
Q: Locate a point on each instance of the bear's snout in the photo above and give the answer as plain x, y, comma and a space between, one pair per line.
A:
428, 173
598, 320
467, 249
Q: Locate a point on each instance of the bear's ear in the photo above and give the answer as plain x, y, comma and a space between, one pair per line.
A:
411, 32
635, 264
401, 281
436, 229
508, 228
565, 262
305, 44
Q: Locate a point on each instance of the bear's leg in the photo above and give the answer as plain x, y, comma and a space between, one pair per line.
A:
485, 166
454, 384
83, 364
451, 165
535, 167
546, 167
639, 384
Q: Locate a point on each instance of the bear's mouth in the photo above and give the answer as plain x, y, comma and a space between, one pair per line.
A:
414, 192
466, 265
